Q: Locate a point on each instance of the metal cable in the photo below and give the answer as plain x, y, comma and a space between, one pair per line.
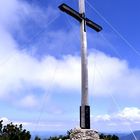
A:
48, 91
115, 102
114, 29
13, 53
110, 45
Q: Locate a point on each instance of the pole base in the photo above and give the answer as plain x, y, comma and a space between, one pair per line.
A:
85, 117
84, 134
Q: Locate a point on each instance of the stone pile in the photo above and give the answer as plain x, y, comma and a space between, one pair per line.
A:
84, 134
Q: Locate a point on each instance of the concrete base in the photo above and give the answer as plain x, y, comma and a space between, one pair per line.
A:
84, 134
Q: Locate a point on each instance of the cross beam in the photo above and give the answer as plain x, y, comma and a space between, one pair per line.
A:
80, 16
65, 8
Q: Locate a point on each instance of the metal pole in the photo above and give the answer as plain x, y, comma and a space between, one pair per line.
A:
84, 109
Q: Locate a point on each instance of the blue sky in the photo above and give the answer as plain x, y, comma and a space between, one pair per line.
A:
40, 65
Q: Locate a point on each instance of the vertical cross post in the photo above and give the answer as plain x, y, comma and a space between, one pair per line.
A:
84, 108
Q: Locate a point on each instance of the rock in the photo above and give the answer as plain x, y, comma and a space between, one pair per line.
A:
83, 134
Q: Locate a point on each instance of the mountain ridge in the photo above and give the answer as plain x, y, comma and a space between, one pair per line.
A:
131, 136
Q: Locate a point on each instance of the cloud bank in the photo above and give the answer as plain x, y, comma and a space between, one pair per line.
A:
127, 120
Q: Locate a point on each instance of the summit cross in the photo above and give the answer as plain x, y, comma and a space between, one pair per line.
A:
84, 21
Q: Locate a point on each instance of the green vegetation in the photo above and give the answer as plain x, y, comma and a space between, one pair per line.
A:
59, 137
13, 132
37, 138
108, 137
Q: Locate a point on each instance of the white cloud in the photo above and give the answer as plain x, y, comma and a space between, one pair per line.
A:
5, 120
105, 117
28, 101
12, 15
130, 114
111, 74
37, 126
14, 11
124, 120
8, 11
